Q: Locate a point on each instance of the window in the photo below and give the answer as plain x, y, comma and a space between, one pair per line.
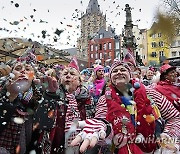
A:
173, 44
118, 55
159, 34
117, 45
178, 42
154, 54
100, 55
91, 56
105, 55
153, 44
173, 53
161, 53
100, 46
91, 47
100, 36
96, 55
104, 46
153, 35
96, 48
109, 46
161, 43
91, 64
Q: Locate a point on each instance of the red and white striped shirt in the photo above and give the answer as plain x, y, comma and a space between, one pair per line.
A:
72, 115
168, 112
166, 108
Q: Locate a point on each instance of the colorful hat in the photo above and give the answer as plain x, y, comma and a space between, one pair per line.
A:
166, 67
74, 63
86, 71
151, 68
129, 58
97, 68
117, 63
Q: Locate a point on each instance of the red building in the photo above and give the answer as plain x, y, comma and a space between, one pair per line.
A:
105, 46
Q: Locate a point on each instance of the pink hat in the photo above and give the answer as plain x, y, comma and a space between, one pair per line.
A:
97, 68
129, 58
166, 67
74, 63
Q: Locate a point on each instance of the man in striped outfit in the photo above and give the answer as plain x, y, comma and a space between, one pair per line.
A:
61, 106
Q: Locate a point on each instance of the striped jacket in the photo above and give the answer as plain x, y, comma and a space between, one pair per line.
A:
167, 110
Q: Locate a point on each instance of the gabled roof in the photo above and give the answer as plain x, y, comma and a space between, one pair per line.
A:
93, 7
106, 34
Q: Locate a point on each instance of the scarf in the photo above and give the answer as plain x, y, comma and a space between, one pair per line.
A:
121, 113
168, 89
72, 115
26, 97
98, 85
123, 109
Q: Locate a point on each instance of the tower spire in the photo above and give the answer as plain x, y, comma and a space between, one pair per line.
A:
93, 7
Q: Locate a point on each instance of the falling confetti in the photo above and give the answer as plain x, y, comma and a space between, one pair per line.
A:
41, 21
150, 118
58, 32
39, 57
51, 114
14, 23
31, 75
69, 25
18, 120
16, 5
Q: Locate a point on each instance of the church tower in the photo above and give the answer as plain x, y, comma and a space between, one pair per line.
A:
91, 22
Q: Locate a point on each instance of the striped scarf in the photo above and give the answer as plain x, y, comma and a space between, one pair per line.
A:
27, 95
72, 115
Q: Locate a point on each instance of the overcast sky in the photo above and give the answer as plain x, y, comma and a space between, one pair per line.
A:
33, 18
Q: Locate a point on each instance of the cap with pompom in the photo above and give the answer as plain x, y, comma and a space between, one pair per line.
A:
129, 58
74, 64
164, 68
117, 63
97, 68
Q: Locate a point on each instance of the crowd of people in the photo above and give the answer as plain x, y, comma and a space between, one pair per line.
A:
59, 109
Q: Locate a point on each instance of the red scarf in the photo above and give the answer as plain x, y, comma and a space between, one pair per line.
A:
121, 122
169, 90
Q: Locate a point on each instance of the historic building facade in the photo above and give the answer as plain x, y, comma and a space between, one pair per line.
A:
104, 47
91, 22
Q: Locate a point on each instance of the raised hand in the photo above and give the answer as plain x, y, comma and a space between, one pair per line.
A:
49, 83
93, 130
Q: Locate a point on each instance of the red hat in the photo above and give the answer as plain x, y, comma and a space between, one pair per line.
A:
74, 63
164, 68
129, 58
